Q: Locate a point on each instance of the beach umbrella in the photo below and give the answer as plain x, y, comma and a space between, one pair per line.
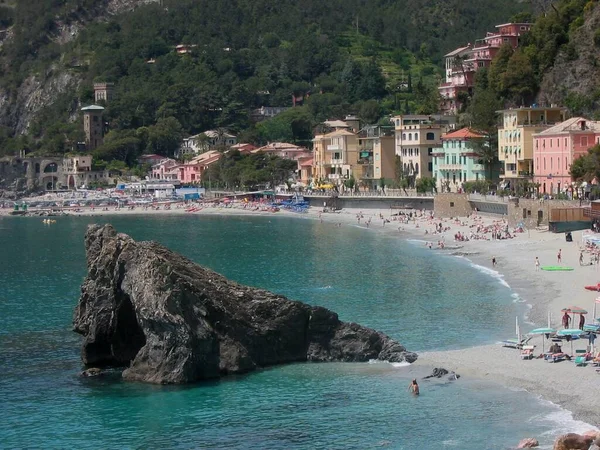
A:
575, 310
595, 303
543, 332
573, 332
518, 330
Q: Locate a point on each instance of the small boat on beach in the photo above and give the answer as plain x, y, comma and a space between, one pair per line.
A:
595, 287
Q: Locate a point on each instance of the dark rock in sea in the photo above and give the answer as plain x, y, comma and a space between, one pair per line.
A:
169, 320
439, 372
92, 372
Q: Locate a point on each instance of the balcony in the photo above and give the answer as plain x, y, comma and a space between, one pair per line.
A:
478, 167
336, 161
365, 161
334, 176
450, 167
334, 148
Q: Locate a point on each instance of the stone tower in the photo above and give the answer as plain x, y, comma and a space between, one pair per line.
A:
104, 91
93, 126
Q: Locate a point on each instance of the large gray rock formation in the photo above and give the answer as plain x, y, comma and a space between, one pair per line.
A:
170, 320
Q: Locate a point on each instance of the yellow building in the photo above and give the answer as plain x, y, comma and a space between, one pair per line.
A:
377, 156
335, 156
515, 137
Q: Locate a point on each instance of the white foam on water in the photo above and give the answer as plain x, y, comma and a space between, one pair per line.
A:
491, 272
517, 298
451, 443
400, 364
562, 420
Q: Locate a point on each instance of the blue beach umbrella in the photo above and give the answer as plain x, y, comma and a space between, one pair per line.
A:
543, 331
573, 332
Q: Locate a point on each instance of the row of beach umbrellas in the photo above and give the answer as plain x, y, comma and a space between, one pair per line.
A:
572, 332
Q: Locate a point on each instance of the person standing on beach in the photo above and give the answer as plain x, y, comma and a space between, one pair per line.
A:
537, 264
566, 319
493, 261
559, 256
581, 258
581, 321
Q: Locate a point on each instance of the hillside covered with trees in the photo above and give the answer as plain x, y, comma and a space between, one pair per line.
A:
355, 56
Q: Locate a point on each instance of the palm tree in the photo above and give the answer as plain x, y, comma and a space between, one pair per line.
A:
487, 153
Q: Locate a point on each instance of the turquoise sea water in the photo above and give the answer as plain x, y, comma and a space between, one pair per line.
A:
425, 300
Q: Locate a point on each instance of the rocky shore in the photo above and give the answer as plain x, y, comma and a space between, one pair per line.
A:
169, 320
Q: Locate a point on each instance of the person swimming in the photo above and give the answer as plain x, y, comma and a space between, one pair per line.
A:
414, 387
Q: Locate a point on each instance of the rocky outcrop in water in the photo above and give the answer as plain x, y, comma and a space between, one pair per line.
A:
169, 320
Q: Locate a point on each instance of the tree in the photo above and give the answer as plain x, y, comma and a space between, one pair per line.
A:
425, 184
164, 138
587, 167
498, 69
487, 154
369, 112
519, 82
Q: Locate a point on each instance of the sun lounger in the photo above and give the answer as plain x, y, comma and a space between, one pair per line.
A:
514, 343
555, 357
527, 352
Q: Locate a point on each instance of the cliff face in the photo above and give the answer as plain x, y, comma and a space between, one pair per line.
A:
172, 321
19, 107
576, 70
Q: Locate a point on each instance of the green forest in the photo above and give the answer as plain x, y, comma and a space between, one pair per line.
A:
357, 56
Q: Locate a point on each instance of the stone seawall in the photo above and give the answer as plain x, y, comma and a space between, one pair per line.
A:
371, 202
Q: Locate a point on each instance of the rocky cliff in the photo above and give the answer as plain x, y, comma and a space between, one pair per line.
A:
574, 79
21, 106
169, 320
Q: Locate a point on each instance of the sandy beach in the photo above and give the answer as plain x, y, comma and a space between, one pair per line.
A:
574, 388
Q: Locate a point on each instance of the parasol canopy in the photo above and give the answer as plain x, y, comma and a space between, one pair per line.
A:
574, 310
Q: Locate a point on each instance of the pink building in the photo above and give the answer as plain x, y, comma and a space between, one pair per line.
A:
462, 63
163, 170
555, 149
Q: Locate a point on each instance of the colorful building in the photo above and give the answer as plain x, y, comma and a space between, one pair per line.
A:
416, 138
457, 161
462, 63
376, 159
515, 139
335, 156
206, 141
555, 149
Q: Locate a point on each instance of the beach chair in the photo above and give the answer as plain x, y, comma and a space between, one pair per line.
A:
555, 357
527, 352
515, 343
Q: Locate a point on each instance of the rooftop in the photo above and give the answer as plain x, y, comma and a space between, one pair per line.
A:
458, 51
92, 108
337, 133
464, 133
570, 125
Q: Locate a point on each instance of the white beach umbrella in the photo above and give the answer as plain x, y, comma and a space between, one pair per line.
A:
518, 330
595, 303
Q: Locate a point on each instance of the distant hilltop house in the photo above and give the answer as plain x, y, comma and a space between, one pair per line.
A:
78, 171
183, 49
207, 140
150, 159
266, 112
463, 62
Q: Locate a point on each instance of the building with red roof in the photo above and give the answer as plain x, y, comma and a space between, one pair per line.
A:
458, 160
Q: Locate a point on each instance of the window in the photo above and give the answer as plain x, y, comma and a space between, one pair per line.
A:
416, 152
550, 163
416, 136
430, 136
403, 136
410, 136
416, 168
584, 141
430, 166
429, 151
544, 163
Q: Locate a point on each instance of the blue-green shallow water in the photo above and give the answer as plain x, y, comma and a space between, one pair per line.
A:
424, 300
